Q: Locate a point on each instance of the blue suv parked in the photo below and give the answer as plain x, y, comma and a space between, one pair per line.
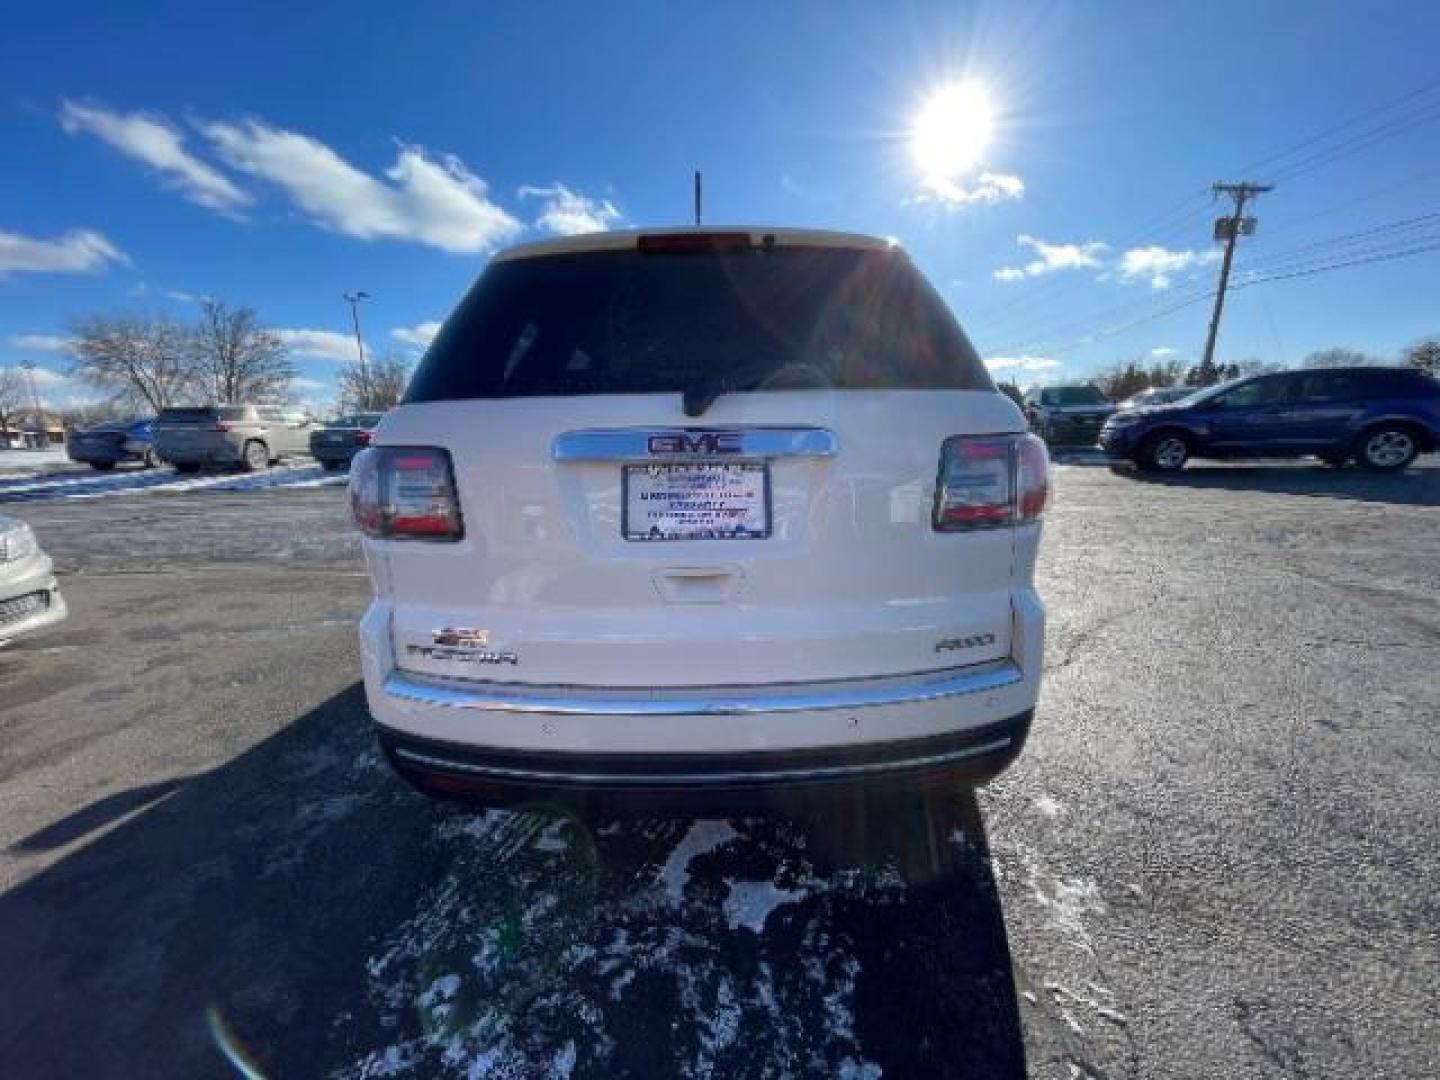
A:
1382, 417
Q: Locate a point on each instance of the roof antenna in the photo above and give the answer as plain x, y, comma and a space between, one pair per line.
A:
697, 197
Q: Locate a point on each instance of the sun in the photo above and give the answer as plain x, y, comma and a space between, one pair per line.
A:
952, 132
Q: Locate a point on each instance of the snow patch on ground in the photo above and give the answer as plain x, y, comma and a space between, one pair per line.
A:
525, 958
1049, 806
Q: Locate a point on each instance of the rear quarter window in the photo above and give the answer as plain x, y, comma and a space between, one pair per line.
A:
623, 322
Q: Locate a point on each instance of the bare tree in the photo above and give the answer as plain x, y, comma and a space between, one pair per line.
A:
139, 360
235, 359
12, 400
378, 387
1126, 380
1425, 355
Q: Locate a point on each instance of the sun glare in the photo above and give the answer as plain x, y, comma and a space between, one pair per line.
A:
952, 132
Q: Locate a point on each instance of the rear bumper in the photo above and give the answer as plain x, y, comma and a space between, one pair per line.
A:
220, 452
89, 455
500, 777
327, 452
491, 740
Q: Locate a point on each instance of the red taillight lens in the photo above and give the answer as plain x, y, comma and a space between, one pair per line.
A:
988, 481
1032, 477
221, 426
405, 493
363, 438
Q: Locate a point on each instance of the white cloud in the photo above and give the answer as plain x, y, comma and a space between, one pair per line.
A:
435, 202
420, 335
42, 343
303, 385
986, 189
154, 140
320, 344
1160, 352
1052, 257
569, 213
1021, 363
1160, 264
79, 251
58, 390
46, 379
181, 296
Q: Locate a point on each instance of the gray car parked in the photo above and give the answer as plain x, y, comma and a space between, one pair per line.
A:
251, 436
336, 444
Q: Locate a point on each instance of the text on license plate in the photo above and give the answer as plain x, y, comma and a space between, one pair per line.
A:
701, 501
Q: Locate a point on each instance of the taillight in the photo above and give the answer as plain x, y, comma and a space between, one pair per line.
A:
988, 481
405, 493
363, 438
1032, 477
221, 426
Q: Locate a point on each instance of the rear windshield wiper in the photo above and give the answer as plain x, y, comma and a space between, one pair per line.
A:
701, 393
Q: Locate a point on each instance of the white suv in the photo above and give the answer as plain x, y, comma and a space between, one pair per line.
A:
692, 511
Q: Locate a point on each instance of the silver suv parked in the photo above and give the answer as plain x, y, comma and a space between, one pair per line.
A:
251, 436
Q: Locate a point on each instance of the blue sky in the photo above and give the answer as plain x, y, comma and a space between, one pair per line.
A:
275, 155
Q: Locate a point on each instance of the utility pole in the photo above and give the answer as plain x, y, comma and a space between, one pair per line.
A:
1230, 230
354, 299
697, 196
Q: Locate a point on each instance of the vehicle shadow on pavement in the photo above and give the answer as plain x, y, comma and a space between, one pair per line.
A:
96, 815
299, 911
1411, 487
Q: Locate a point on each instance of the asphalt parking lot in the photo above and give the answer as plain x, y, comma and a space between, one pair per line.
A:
1216, 857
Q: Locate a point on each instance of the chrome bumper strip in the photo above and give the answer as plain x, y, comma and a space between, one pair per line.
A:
703, 701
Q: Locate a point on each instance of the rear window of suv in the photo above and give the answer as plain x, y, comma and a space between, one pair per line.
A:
202, 415
628, 322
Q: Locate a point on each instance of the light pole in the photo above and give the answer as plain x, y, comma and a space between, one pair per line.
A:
354, 299
30, 366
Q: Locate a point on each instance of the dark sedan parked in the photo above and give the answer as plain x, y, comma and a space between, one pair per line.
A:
336, 444
101, 447
1382, 417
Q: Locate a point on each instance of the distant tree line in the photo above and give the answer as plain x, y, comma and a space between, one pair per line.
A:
142, 363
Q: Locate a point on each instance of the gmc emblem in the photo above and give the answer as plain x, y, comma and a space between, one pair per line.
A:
695, 442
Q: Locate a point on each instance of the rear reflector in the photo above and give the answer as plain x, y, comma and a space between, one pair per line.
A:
405, 493
692, 242
990, 481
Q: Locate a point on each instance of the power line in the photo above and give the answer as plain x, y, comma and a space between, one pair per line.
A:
1386, 257
1364, 141
1345, 239
1181, 216
1336, 128
1265, 280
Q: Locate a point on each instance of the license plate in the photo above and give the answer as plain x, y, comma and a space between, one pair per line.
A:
704, 501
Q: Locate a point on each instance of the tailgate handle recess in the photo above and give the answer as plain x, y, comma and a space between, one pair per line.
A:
698, 584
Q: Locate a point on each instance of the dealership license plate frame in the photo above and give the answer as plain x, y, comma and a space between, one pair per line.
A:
627, 484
